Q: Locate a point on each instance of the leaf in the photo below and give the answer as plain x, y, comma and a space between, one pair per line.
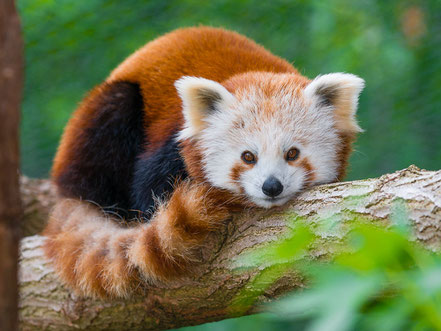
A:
333, 303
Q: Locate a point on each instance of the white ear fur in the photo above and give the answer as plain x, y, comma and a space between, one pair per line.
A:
339, 91
200, 98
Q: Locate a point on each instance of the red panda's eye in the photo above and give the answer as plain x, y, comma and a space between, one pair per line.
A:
248, 157
292, 154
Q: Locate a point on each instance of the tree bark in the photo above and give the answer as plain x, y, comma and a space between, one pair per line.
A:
10, 207
38, 196
209, 296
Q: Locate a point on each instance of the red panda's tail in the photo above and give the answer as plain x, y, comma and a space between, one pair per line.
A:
96, 256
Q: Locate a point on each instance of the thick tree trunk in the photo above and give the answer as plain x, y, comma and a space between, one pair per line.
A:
10, 208
46, 304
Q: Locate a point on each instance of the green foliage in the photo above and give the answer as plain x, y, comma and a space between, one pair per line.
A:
282, 255
379, 280
73, 45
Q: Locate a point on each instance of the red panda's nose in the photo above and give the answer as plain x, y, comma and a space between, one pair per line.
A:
272, 187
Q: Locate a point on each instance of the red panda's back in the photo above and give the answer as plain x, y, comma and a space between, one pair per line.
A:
206, 52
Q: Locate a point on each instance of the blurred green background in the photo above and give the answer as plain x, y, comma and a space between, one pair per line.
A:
394, 45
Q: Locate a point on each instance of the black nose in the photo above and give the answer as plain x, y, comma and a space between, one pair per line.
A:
272, 187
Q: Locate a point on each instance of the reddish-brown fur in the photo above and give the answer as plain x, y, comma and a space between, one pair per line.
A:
93, 258
91, 253
193, 160
237, 171
346, 138
309, 170
83, 118
211, 53
268, 83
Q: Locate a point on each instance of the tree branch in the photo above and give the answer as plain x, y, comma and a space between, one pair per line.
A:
46, 304
38, 196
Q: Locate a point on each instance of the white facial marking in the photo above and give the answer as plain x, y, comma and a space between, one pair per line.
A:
198, 96
268, 126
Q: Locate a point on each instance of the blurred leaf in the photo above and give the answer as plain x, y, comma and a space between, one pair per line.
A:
333, 302
380, 281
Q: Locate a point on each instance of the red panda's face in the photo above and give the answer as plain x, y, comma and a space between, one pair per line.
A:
273, 136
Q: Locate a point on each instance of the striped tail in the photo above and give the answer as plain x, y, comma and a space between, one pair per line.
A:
96, 256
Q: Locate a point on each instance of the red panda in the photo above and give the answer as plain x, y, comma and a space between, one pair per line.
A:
195, 125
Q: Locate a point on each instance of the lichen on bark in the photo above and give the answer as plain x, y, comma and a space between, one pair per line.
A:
209, 294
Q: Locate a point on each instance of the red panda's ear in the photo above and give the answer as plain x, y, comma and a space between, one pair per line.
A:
339, 91
200, 98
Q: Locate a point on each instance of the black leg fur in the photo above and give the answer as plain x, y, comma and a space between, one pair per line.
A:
103, 154
155, 176
107, 164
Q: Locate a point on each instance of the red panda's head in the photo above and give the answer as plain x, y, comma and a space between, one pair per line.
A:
268, 136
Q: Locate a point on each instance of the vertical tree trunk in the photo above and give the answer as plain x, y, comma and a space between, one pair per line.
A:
10, 206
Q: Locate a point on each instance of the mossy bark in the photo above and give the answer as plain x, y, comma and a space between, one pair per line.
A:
209, 294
